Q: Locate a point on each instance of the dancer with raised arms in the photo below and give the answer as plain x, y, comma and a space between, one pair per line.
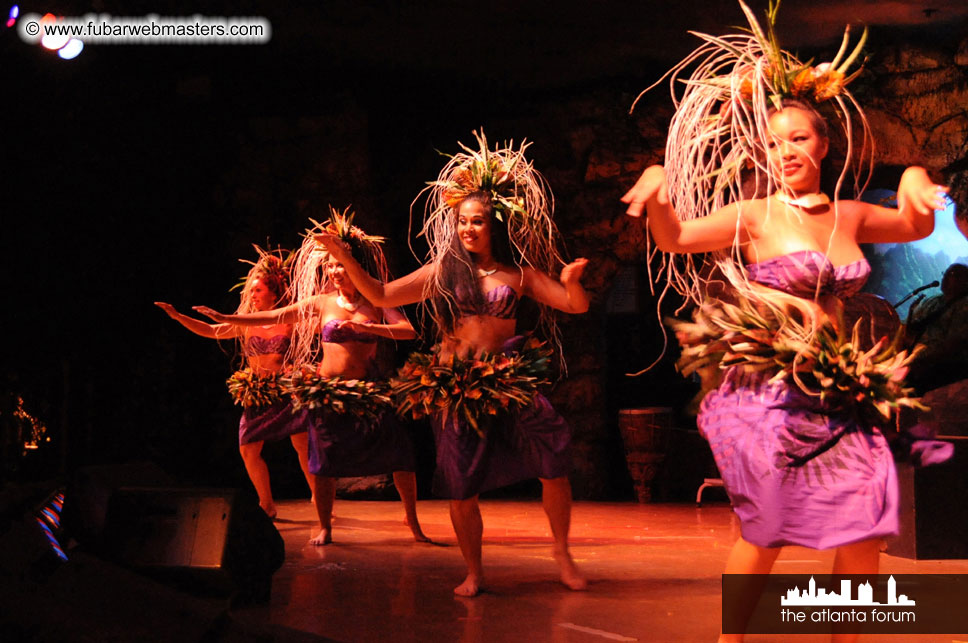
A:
492, 242
267, 413
795, 425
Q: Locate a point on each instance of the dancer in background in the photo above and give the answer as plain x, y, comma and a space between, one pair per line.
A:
354, 431
799, 445
492, 241
267, 414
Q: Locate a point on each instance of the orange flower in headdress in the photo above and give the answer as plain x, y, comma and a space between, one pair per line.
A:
827, 82
803, 83
746, 85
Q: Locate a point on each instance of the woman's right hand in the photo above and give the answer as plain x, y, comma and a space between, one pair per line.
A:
168, 308
212, 314
651, 185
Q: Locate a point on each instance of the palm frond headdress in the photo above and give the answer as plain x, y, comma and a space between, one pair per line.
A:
272, 267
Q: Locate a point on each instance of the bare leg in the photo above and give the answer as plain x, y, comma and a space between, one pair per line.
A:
324, 495
406, 484
258, 472
747, 558
556, 500
300, 442
856, 558
465, 515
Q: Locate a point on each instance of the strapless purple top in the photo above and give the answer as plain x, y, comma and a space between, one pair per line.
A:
500, 302
809, 272
275, 345
332, 333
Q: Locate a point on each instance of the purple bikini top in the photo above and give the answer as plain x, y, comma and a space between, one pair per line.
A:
275, 345
500, 302
332, 333
799, 274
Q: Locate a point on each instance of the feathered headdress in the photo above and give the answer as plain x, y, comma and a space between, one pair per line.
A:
340, 224
272, 267
519, 194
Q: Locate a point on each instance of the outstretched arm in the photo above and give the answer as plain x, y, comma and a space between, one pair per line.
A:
714, 232
566, 294
399, 292
212, 331
286, 315
917, 198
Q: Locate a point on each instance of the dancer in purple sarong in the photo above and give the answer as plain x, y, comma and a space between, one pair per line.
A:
267, 414
336, 377
492, 242
742, 182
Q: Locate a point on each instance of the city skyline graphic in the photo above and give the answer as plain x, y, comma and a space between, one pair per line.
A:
812, 595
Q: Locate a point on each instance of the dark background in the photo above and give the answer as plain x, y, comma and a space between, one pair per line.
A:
143, 173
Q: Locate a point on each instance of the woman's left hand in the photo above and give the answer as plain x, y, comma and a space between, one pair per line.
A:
918, 192
210, 313
332, 244
571, 273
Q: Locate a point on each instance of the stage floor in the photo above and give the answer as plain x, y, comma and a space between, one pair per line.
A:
654, 573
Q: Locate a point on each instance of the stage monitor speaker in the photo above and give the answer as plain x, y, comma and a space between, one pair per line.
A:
933, 499
205, 541
91, 488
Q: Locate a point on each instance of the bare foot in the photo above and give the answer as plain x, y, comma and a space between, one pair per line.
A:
570, 576
269, 508
419, 535
324, 537
470, 587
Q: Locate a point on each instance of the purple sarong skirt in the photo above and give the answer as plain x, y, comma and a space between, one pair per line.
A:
271, 423
345, 445
534, 442
797, 473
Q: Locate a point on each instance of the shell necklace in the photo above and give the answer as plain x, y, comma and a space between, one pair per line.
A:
347, 305
805, 201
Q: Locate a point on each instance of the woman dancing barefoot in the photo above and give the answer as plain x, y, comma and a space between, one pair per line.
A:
492, 241
802, 466
263, 347
354, 432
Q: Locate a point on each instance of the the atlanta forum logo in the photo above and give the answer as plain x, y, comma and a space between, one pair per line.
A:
820, 606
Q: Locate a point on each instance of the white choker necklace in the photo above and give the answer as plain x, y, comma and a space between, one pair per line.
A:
486, 273
351, 306
806, 201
